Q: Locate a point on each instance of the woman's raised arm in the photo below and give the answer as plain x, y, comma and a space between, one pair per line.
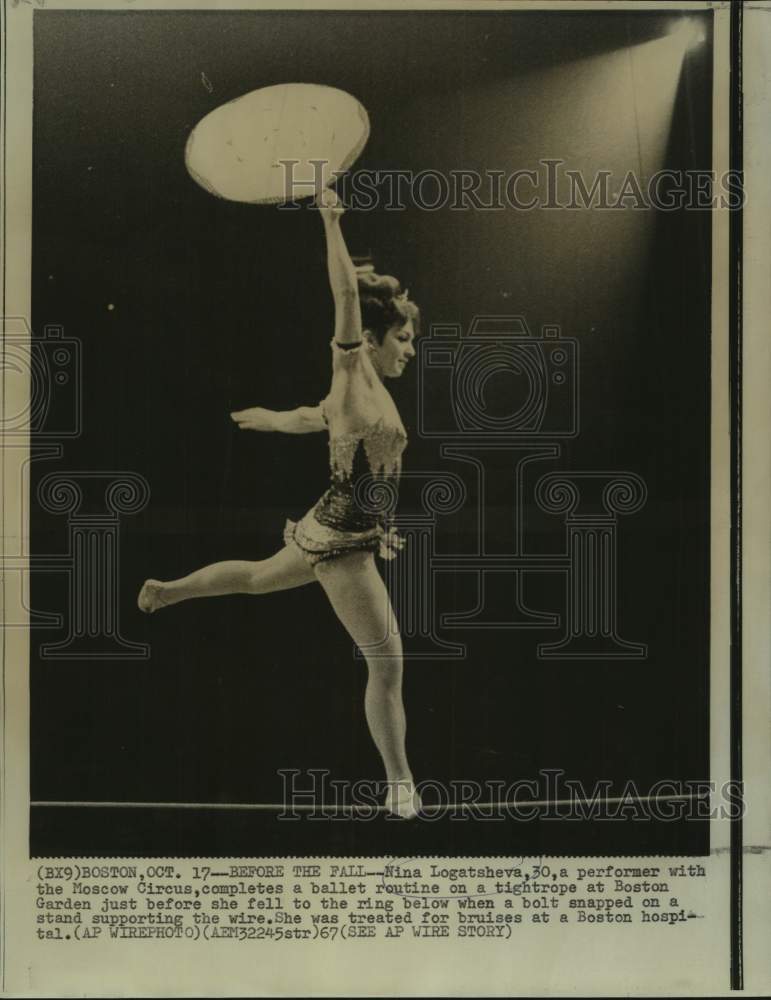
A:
342, 274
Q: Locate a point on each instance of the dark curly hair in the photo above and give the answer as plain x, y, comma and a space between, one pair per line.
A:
384, 304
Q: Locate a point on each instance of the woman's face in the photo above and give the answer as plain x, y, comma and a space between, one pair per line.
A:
390, 358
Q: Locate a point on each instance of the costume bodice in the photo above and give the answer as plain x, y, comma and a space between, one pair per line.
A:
359, 411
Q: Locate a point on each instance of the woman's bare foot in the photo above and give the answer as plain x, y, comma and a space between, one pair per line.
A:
150, 599
402, 799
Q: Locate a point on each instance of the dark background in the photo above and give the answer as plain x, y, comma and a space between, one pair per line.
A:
218, 306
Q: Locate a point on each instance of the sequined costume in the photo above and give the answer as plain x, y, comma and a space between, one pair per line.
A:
366, 440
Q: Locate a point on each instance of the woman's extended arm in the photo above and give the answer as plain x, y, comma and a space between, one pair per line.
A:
303, 420
342, 274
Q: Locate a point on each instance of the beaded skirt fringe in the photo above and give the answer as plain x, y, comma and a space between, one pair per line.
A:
320, 542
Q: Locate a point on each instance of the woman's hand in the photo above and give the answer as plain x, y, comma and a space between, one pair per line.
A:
257, 418
329, 204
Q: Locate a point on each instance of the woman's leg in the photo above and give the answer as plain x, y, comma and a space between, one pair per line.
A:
286, 569
360, 600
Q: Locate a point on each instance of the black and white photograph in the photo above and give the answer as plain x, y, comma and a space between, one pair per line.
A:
381, 345
385, 545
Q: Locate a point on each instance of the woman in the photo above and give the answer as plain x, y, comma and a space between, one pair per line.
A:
336, 541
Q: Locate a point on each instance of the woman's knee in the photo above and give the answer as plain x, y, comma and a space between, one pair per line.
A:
386, 649
385, 669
